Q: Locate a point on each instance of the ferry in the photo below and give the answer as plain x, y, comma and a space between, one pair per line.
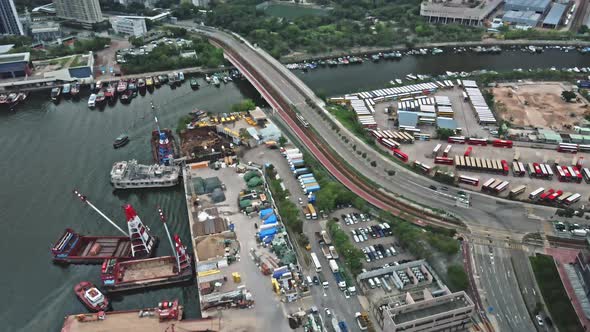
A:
55, 93
92, 101
164, 148
75, 92
91, 297
131, 175
122, 86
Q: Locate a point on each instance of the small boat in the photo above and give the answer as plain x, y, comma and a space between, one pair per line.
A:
100, 98
66, 89
92, 101
149, 82
3, 99
180, 76
141, 83
157, 81
208, 78
132, 85
375, 57
121, 141
172, 81
194, 83
98, 86
111, 93
216, 81
91, 297
75, 91
55, 93
164, 78
92, 87
122, 86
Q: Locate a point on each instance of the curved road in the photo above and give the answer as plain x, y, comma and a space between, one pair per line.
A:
487, 215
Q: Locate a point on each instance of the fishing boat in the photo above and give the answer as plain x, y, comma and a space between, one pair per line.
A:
75, 92
55, 93
92, 101
91, 297
3, 99
164, 78
121, 141
100, 98
208, 78
122, 86
111, 93
172, 80
180, 76
194, 83
132, 86
216, 81
137, 242
157, 81
118, 276
127, 96
66, 90
98, 86
141, 83
149, 82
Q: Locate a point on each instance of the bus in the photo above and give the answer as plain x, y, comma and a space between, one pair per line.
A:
421, 166
312, 211
444, 160
517, 191
456, 139
477, 141
577, 175
572, 199
447, 150
584, 148
436, 150
553, 196
567, 147
389, 143
500, 143
468, 151
316, 262
501, 187
486, 185
535, 194
563, 197
504, 165
400, 155
469, 180
546, 194
586, 174
422, 136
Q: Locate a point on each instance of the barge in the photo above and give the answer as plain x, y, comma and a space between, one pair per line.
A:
164, 147
168, 316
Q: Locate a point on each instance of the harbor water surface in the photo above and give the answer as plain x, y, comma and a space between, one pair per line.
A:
50, 149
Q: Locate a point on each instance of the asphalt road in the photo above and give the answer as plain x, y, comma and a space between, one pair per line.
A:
501, 294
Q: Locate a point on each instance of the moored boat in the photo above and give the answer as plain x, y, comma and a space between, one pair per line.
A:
132, 86
172, 80
110, 93
131, 175
126, 96
216, 81
180, 76
122, 86
121, 141
91, 297
157, 81
141, 83
3, 99
100, 98
149, 81
92, 100
55, 93
194, 83
73, 248
66, 90
75, 91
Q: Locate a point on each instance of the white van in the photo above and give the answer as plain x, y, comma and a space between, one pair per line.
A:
325, 284
356, 238
377, 282
371, 283
393, 252
309, 280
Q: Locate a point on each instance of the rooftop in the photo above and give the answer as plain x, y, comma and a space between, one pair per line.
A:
15, 57
407, 119
6, 48
456, 9
555, 14
447, 123
529, 3
257, 114
430, 307
529, 15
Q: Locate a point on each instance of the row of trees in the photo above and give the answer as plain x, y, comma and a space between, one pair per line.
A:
353, 257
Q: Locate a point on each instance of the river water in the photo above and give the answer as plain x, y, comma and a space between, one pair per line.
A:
50, 149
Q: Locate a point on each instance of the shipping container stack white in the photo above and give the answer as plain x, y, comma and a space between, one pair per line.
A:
482, 110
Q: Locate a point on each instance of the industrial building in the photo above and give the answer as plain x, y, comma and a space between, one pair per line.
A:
83, 11
48, 31
129, 26
146, 3
15, 65
537, 6
529, 18
201, 3
9, 22
457, 12
420, 311
555, 15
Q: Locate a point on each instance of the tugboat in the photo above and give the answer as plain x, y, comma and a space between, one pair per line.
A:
75, 92
73, 248
66, 90
164, 148
120, 276
121, 141
122, 86
55, 93
194, 83
91, 297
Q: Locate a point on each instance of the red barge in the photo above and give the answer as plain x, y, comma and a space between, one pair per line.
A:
120, 275
73, 248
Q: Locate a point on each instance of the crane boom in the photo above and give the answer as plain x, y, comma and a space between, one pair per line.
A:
85, 200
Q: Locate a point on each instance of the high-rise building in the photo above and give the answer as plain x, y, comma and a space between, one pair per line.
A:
128, 26
9, 22
83, 11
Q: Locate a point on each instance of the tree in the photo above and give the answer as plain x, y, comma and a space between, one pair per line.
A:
244, 106
444, 133
568, 96
136, 41
282, 140
457, 278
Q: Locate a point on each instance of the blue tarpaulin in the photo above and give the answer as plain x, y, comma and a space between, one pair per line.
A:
265, 212
267, 232
268, 239
270, 220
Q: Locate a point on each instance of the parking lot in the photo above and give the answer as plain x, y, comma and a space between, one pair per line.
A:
376, 240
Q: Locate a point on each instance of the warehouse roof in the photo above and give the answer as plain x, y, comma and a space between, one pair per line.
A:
529, 3
407, 119
521, 15
6, 48
15, 57
555, 14
446, 123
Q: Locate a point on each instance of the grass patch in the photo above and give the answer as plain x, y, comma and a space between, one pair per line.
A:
554, 293
457, 278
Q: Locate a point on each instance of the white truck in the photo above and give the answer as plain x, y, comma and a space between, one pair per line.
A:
333, 265
326, 237
333, 252
327, 252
